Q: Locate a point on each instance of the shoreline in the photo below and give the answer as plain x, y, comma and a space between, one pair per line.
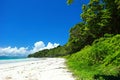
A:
17, 60
43, 69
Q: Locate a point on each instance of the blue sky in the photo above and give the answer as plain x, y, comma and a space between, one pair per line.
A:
23, 23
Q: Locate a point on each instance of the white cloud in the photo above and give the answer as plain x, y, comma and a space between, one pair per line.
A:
24, 51
38, 46
50, 45
9, 51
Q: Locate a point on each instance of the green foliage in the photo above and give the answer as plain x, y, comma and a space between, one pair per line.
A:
96, 17
113, 7
101, 58
78, 38
69, 2
101, 61
55, 52
118, 3
39, 53
93, 52
99, 17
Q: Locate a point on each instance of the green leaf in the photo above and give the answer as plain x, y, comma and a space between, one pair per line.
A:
69, 2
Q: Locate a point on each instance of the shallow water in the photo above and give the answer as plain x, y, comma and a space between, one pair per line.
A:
14, 60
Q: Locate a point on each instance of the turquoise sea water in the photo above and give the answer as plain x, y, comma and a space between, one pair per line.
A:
5, 60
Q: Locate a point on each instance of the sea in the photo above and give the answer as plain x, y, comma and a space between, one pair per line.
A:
7, 59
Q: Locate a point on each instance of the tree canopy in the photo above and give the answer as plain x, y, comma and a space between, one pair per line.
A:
93, 45
98, 18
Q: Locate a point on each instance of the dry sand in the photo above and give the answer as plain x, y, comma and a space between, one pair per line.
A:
43, 69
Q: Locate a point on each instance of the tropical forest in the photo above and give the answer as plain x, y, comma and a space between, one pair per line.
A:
93, 48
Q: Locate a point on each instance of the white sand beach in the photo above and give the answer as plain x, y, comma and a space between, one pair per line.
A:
45, 69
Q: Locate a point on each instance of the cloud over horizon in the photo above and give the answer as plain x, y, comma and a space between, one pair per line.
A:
24, 51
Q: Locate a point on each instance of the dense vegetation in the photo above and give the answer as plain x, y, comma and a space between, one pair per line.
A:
55, 52
93, 48
99, 61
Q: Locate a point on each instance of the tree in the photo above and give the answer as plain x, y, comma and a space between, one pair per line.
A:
97, 17
99, 14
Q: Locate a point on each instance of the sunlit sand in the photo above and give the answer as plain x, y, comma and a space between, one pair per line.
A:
45, 69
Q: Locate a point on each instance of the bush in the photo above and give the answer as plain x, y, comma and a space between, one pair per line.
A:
97, 61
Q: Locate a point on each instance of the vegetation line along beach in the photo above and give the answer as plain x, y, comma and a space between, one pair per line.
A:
93, 48
39, 29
